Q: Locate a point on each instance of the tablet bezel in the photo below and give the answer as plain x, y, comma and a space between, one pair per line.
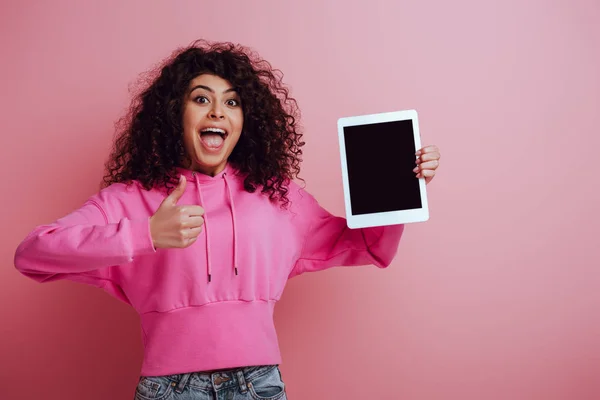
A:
389, 217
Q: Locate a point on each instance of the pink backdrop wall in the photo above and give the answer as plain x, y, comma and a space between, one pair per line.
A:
496, 297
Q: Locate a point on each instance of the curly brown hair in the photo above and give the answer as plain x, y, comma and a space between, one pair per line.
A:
149, 142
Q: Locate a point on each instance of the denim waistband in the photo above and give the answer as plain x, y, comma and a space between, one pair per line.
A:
219, 380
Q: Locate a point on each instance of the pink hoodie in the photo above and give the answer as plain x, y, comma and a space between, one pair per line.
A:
196, 313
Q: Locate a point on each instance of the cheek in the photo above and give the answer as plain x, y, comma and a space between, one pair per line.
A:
189, 134
238, 129
239, 121
188, 121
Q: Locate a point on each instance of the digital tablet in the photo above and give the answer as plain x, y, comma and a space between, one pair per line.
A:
378, 158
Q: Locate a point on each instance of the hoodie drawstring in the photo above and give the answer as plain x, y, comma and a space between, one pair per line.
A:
208, 266
235, 261
235, 255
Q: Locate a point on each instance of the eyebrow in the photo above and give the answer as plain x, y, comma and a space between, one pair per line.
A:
208, 89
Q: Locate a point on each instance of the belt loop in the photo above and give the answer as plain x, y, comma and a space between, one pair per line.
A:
242, 380
183, 380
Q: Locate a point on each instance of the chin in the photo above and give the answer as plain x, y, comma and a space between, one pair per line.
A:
208, 164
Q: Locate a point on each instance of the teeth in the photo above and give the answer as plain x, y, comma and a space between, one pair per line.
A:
216, 130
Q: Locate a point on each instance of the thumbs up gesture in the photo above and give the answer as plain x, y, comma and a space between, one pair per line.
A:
173, 225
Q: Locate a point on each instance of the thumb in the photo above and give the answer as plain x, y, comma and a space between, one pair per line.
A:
176, 194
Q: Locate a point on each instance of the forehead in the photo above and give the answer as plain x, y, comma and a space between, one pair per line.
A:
214, 82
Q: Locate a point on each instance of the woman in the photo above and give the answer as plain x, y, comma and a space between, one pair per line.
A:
199, 225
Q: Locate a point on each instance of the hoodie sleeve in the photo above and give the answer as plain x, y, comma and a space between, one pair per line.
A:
328, 242
82, 246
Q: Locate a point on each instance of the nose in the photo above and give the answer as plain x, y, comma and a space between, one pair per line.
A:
216, 112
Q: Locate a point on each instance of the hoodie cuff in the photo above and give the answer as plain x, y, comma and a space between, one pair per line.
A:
141, 239
383, 242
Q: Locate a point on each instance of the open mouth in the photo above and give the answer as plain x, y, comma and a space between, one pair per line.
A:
213, 138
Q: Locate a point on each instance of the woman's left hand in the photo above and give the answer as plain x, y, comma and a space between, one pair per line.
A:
428, 160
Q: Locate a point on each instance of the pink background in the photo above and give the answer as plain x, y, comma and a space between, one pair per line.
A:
496, 297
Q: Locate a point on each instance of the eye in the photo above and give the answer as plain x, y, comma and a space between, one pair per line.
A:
201, 100
232, 103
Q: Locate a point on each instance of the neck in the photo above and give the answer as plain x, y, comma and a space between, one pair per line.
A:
209, 171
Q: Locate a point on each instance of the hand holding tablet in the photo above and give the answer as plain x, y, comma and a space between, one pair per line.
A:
378, 155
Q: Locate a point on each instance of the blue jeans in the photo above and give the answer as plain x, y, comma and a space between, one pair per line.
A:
250, 383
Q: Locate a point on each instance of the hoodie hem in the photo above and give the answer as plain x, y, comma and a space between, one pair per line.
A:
214, 336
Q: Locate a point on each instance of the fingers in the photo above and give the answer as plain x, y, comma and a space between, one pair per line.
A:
428, 157
192, 233
193, 211
189, 242
190, 211
428, 149
193, 222
428, 160
426, 173
187, 237
178, 191
427, 165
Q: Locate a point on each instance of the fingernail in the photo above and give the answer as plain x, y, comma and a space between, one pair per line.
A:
416, 169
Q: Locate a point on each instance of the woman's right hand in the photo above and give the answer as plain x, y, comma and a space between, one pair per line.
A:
173, 225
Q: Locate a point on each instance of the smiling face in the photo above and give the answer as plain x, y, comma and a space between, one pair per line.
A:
212, 123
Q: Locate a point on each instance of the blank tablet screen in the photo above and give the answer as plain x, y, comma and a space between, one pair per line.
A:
380, 160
